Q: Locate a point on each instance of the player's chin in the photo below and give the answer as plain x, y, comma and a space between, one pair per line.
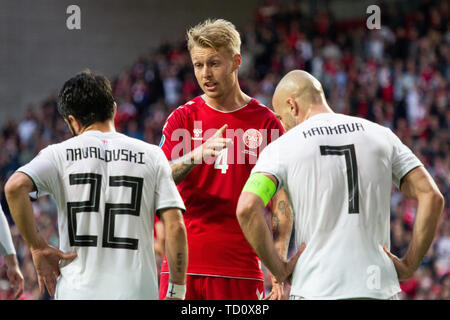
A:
212, 93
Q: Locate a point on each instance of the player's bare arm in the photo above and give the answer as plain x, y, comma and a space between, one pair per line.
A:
250, 214
211, 148
160, 239
419, 185
45, 257
176, 247
282, 221
181, 170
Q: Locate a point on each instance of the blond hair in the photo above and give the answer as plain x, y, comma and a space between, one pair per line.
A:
216, 34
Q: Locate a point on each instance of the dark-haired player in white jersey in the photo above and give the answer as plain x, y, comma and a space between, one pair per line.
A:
338, 172
107, 187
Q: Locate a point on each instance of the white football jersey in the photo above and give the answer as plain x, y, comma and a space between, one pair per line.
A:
107, 188
338, 172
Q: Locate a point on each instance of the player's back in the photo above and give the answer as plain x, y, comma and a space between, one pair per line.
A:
338, 172
105, 193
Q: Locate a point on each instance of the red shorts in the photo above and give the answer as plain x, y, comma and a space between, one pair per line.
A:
216, 288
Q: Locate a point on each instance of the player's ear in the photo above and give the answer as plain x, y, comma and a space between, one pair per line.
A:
237, 60
293, 106
115, 110
74, 125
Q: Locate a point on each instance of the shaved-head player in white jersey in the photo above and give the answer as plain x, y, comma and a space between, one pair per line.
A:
338, 172
107, 188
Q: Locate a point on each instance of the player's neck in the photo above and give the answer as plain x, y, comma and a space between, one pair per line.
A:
231, 101
107, 126
317, 109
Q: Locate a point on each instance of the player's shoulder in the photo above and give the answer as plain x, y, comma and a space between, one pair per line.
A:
345, 118
138, 143
370, 126
260, 107
263, 115
58, 146
151, 152
351, 118
177, 118
372, 130
187, 108
54, 152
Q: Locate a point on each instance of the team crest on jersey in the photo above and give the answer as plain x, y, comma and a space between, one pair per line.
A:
252, 138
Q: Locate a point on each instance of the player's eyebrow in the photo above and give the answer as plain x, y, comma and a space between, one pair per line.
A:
214, 56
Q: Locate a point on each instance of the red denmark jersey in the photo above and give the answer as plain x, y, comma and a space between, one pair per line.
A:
216, 244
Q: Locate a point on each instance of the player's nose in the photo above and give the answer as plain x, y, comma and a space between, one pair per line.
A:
206, 73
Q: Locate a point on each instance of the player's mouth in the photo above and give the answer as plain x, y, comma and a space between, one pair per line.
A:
210, 86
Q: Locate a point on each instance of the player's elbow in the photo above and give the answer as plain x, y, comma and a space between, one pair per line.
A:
435, 201
245, 209
439, 201
175, 227
176, 236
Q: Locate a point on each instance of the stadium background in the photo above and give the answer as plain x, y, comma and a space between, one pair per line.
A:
397, 76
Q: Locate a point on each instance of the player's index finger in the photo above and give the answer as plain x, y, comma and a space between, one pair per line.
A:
221, 130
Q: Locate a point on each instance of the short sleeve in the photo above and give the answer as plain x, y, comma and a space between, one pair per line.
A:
172, 134
166, 192
403, 159
43, 172
270, 161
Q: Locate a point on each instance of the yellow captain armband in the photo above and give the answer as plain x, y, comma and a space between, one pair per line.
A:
260, 185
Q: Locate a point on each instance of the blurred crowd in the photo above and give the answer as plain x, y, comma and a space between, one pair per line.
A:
397, 76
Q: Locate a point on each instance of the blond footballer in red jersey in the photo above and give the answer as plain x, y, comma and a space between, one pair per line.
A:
213, 142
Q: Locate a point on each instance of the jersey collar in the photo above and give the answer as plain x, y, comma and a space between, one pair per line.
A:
227, 111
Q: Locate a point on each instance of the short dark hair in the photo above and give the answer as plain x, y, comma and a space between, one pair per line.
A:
87, 97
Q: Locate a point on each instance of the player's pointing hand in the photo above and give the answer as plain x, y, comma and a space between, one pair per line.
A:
213, 146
